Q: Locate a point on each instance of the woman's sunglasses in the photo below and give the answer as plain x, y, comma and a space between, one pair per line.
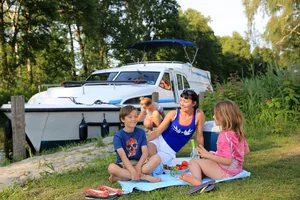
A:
189, 92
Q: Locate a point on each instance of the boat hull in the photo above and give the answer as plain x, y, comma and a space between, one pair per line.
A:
48, 127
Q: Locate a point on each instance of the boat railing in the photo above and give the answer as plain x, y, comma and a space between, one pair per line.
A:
138, 81
154, 62
47, 86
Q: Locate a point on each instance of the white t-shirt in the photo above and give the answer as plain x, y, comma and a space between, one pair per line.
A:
158, 107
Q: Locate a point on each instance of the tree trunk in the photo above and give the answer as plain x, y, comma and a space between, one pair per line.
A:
14, 17
81, 45
74, 76
29, 70
29, 67
3, 53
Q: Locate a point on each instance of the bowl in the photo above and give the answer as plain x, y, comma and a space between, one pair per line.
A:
175, 173
176, 161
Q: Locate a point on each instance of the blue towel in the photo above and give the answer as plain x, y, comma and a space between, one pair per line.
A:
167, 180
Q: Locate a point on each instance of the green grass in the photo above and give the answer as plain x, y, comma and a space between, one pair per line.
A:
273, 163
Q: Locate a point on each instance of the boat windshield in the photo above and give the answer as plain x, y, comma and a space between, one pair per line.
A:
150, 77
107, 76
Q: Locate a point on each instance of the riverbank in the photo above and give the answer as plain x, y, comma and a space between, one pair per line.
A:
35, 167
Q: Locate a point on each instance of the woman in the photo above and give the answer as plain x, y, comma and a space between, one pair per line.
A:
177, 128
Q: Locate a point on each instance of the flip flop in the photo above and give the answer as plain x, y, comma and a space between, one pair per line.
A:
98, 194
207, 188
204, 187
112, 190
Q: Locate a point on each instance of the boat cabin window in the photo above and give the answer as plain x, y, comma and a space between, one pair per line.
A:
186, 84
165, 82
182, 82
108, 76
179, 82
151, 77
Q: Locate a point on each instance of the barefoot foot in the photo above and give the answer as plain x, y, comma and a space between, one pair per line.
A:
112, 178
151, 179
190, 179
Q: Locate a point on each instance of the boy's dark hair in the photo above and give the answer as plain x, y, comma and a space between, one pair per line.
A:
126, 111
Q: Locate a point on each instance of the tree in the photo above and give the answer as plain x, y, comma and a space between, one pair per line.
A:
3, 54
283, 27
236, 54
137, 19
196, 29
262, 57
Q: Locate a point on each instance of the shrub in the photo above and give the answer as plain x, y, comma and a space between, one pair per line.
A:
271, 100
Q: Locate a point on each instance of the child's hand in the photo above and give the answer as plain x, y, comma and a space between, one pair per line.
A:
202, 151
135, 176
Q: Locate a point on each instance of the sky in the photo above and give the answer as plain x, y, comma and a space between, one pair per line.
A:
226, 15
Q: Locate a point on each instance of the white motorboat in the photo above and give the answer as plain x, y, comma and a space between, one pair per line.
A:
82, 110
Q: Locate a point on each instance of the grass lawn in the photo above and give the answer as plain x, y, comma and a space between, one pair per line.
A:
273, 163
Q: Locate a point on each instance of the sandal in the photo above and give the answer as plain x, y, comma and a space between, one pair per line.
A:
98, 194
111, 190
204, 187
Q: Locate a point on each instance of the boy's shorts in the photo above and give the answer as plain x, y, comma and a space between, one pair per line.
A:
165, 152
133, 162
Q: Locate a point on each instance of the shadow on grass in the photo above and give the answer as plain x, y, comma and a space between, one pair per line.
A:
263, 145
278, 179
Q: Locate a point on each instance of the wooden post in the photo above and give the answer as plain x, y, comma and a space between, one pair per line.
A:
201, 96
155, 97
18, 127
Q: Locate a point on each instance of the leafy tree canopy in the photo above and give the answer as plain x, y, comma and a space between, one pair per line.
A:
283, 27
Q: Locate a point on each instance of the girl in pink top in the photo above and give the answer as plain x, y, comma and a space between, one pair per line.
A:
232, 146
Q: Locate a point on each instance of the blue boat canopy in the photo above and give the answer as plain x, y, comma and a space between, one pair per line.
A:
151, 44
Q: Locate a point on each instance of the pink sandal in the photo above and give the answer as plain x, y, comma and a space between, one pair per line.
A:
98, 194
111, 190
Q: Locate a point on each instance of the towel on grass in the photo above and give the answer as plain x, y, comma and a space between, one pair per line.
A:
167, 180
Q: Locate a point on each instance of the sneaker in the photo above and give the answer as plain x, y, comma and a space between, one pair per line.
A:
111, 190
98, 194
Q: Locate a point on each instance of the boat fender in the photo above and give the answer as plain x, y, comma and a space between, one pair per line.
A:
104, 127
8, 129
83, 130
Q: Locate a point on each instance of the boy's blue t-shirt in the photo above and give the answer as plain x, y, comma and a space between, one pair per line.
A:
131, 143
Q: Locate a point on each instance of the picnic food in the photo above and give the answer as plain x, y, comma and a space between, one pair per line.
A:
184, 165
177, 169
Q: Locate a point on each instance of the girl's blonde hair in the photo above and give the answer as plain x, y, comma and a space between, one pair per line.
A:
145, 101
230, 117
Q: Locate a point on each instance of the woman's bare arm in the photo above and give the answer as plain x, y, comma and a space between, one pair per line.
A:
163, 126
199, 128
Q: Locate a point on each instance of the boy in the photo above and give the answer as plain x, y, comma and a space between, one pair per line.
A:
154, 113
132, 152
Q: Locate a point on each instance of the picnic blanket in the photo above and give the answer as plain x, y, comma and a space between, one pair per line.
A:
167, 180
